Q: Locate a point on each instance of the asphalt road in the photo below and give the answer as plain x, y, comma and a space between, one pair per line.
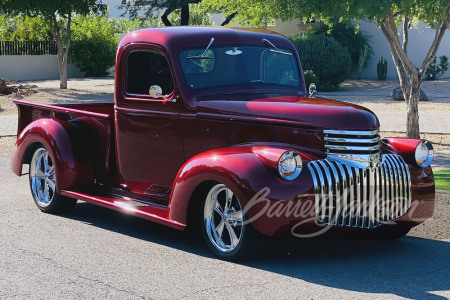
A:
95, 253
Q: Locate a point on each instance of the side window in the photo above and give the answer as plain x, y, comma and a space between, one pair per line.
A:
147, 68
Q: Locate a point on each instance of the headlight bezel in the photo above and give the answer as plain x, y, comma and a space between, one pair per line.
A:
424, 162
283, 166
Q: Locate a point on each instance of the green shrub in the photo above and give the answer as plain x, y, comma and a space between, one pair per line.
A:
435, 70
356, 42
24, 28
94, 44
328, 59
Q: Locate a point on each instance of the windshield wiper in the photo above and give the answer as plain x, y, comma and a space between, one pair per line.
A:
202, 56
275, 50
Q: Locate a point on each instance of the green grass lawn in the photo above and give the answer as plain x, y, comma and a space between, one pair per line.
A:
442, 179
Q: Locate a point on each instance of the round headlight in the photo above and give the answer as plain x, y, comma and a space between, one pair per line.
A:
424, 153
290, 165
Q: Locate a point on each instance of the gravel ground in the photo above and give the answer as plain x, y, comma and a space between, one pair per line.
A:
83, 90
438, 227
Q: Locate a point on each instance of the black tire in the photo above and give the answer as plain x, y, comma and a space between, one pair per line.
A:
224, 228
42, 178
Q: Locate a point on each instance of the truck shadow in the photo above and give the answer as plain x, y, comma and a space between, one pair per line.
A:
410, 267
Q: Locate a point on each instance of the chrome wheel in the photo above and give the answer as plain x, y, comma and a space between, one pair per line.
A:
223, 218
42, 178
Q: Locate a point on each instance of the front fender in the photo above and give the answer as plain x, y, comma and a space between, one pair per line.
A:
246, 171
54, 135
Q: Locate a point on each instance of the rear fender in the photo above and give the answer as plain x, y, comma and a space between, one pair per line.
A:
54, 135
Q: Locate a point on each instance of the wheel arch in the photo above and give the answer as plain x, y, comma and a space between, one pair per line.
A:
239, 168
54, 135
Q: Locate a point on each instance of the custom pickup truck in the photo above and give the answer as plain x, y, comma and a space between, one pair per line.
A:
213, 128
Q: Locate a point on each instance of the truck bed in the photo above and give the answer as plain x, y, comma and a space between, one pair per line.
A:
29, 111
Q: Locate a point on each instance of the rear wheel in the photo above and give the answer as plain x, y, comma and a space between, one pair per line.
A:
43, 184
223, 224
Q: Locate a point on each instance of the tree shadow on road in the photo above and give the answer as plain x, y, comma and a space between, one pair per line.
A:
410, 267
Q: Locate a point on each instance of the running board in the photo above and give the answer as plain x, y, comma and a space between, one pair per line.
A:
129, 206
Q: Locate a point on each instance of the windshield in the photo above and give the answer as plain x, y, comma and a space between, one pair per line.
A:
238, 65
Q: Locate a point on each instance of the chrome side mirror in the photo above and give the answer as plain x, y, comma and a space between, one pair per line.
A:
155, 91
312, 89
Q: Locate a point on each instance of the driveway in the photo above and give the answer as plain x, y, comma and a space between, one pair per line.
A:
96, 253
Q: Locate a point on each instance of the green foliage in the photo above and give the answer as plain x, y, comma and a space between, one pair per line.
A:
50, 8
123, 25
94, 44
347, 35
442, 179
435, 70
382, 69
24, 28
310, 77
197, 16
252, 13
328, 59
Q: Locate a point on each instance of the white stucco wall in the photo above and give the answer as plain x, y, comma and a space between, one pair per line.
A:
34, 67
420, 40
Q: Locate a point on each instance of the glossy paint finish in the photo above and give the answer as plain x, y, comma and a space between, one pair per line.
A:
152, 156
53, 135
295, 111
406, 147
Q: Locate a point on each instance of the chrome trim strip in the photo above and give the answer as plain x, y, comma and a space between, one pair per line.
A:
352, 140
356, 148
352, 132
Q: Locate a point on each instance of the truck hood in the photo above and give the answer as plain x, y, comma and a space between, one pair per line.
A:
282, 109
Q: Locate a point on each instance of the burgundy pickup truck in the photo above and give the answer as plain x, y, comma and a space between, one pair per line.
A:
212, 128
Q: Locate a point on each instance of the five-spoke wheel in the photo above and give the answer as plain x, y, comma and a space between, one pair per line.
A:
43, 184
223, 223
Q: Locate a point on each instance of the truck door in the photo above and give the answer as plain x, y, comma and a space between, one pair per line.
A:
148, 131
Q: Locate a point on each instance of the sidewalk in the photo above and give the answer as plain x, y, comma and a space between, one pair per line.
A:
8, 125
430, 121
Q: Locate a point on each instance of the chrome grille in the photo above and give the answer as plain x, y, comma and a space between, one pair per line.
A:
361, 197
357, 146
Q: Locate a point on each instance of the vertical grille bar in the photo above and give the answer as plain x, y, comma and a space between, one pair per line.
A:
344, 197
354, 197
351, 184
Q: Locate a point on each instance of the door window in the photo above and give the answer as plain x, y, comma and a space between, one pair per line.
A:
147, 68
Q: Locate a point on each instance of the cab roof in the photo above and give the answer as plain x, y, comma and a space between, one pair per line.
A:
177, 37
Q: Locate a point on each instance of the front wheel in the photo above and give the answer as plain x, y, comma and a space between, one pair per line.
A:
43, 184
223, 224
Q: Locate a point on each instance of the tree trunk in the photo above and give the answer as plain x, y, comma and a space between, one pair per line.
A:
62, 51
164, 17
63, 70
412, 115
228, 19
184, 15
